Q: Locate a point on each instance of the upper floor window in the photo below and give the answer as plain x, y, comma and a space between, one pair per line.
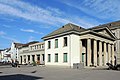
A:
35, 47
65, 41
49, 44
42, 46
56, 43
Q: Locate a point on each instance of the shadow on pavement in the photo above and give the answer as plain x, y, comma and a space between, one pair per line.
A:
19, 77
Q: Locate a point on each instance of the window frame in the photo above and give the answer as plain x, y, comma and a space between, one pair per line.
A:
65, 41
65, 60
56, 43
56, 57
49, 44
49, 57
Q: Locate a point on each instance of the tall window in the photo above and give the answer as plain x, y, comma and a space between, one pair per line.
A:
65, 41
56, 43
56, 57
49, 57
43, 57
65, 57
49, 44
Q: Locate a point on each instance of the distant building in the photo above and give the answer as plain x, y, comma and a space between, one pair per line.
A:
72, 44
1, 57
5, 55
32, 52
14, 50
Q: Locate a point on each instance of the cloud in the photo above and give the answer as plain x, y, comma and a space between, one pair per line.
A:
2, 33
31, 12
10, 38
6, 26
48, 15
31, 38
31, 31
102, 9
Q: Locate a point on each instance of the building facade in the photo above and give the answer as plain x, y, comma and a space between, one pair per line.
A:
6, 55
1, 55
73, 44
14, 50
115, 28
32, 52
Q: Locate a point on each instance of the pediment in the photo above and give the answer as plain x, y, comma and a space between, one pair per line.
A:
106, 32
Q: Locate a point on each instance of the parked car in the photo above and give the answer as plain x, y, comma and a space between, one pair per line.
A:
113, 67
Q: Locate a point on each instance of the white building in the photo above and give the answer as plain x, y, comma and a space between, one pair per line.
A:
6, 55
73, 44
1, 55
30, 52
14, 50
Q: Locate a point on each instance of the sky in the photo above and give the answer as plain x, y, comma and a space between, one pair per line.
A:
24, 21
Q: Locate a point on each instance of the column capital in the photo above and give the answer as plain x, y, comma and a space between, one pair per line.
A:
95, 39
88, 38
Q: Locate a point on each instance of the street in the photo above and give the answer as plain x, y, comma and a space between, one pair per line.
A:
56, 73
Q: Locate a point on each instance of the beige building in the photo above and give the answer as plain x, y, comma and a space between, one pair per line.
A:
31, 52
115, 28
73, 44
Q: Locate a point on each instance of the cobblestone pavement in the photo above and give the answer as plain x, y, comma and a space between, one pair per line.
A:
55, 73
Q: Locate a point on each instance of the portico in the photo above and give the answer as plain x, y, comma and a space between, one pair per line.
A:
96, 51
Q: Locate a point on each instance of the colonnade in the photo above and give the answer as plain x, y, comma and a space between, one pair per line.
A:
101, 52
25, 59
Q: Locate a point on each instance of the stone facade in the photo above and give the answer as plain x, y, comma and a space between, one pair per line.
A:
78, 45
116, 31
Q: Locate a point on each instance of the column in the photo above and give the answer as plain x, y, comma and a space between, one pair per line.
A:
95, 53
100, 53
22, 59
36, 58
88, 52
31, 59
105, 54
26, 58
113, 54
109, 52
80, 51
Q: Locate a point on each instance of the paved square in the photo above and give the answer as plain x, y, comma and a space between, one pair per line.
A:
56, 73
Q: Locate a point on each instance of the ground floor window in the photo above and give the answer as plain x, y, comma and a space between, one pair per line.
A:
56, 57
38, 57
49, 57
43, 57
21, 59
65, 57
33, 57
28, 57
83, 57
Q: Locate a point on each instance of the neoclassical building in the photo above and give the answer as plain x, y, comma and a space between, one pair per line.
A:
73, 44
30, 52
115, 28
